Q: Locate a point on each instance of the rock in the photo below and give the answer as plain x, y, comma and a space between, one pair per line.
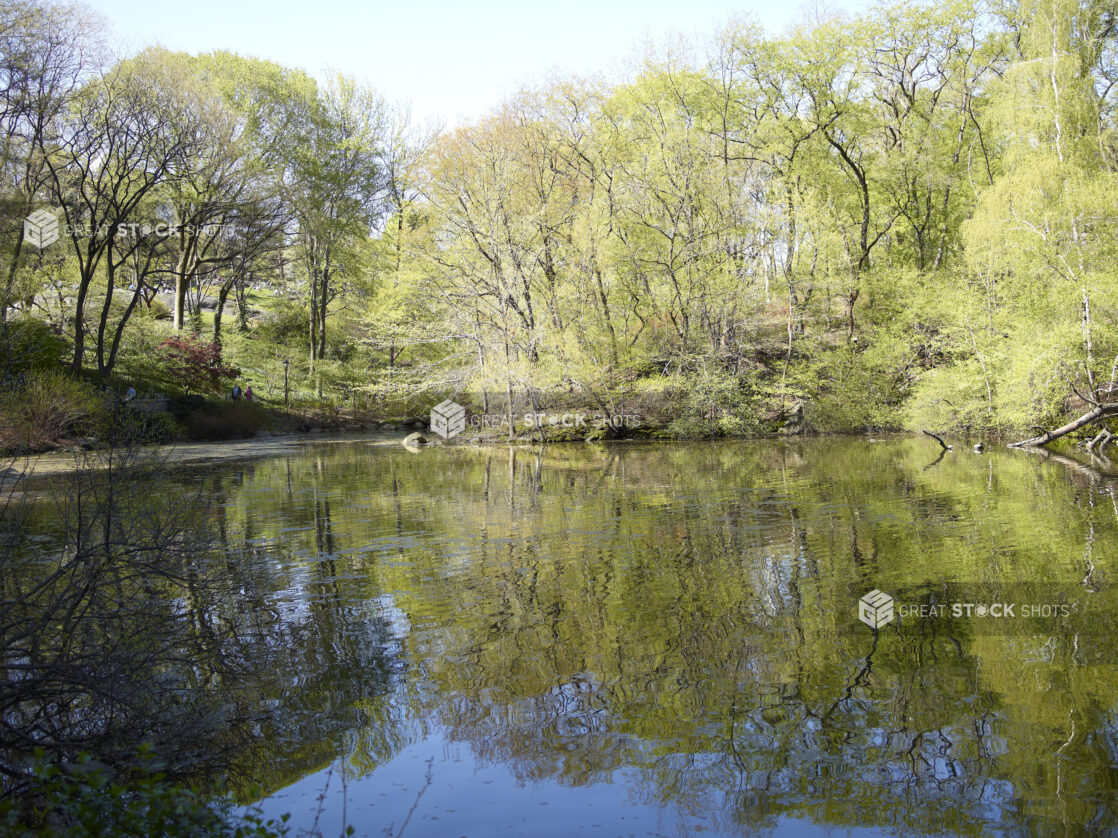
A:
978, 446
793, 420
263, 433
415, 439
390, 427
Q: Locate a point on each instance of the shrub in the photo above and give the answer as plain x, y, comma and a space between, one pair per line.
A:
194, 366
952, 398
853, 390
134, 427
28, 344
715, 403
158, 310
225, 420
287, 323
46, 408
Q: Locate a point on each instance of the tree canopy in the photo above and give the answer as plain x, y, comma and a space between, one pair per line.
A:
898, 219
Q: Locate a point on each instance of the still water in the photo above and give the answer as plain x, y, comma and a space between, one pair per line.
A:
664, 639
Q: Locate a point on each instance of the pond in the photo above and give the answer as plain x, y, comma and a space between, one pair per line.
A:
654, 639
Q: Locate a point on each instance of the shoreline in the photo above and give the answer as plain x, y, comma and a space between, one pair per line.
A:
193, 454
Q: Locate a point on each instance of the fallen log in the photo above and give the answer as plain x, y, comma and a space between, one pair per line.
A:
1098, 412
938, 439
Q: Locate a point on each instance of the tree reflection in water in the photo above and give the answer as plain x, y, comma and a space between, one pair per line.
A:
676, 625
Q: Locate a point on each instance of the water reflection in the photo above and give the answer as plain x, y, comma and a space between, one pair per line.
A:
665, 638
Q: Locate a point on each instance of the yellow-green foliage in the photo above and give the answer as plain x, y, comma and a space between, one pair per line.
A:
27, 343
900, 218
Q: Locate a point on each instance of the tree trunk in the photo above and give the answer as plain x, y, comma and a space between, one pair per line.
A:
1098, 412
313, 314
115, 346
106, 312
79, 325
222, 297
604, 299
184, 272
180, 293
240, 292
851, 299
323, 302
13, 267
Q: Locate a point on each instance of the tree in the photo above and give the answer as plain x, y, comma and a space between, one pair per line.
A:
124, 134
227, 202
337, 190
47, 50
1044, 226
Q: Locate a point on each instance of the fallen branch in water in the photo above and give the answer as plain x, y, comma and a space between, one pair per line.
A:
1098, 412
1100, 441
938, 439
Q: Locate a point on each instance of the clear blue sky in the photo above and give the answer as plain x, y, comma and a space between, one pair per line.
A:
451, 60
